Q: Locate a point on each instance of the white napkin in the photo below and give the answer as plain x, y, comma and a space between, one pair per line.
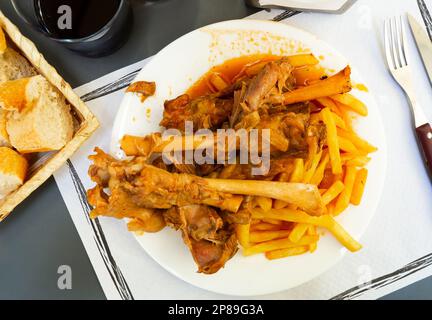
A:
398, 243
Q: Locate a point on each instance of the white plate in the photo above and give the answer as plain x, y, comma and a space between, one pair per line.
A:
178, 66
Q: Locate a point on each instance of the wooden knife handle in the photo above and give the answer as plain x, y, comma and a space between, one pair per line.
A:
424, 134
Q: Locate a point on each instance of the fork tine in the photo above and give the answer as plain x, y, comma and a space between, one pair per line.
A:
399, 43
387, 43
394, 37
403, 39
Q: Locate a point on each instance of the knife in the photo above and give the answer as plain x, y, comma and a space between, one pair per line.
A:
424, 45
427, 19
328, 6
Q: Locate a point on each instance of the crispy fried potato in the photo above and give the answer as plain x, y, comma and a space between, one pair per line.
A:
278, 244
217, 82
283, 253
298, 232
242, 232
359, 185
262, 236
332, 141
336, 84
299, 60
347, 146
325, 221
333, 192
352, 103
265, 227
345, 196
360, 143
264, 203
319, 172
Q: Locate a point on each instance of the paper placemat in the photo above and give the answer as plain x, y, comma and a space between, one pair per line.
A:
397, 245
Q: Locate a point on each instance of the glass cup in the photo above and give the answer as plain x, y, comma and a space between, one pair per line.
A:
104, 41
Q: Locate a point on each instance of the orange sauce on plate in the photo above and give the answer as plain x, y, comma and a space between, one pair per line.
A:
228, 71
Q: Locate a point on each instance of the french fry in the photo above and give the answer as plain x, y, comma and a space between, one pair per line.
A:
300, 60
319, 172
347, 146
255, 68
326, 102
255, 222
359, 161
313, 166
242, 232
325, 221
333, 192
262, 236
336, 84
278, 244
345, 116
340, 123
274, 222
359, 184
347, 156
352, 103
308, 74
360, 143
265, 227
343, 200
298, 172
332, 141
279, 204
298, 232
217, 82
283, 253
312, 232
264, 203
330, 209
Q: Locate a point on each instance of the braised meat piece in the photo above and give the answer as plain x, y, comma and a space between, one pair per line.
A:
272, 78
210, 242
208, 112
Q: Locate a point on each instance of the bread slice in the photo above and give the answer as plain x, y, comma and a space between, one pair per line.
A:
14, 66
4, 137
17, 95
13, 169
46, 126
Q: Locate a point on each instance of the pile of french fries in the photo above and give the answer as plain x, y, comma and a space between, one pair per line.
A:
279, 229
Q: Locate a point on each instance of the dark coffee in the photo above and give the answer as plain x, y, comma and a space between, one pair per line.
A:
74, 19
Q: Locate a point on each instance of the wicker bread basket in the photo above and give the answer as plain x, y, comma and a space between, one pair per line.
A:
86, 121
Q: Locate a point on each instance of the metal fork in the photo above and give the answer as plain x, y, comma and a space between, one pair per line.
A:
396, 54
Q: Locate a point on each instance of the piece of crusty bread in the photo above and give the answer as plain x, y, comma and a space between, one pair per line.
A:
14, 66
17, 95
4, 137
46, 126
13, 169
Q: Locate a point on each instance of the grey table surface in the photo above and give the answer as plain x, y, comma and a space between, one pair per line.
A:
40, 236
